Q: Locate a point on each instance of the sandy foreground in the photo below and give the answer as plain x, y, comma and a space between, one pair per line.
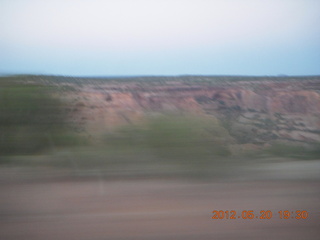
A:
144, 208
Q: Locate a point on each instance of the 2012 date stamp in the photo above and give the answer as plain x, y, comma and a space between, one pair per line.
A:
262, 214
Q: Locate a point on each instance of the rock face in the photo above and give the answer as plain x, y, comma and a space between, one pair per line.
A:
254, 111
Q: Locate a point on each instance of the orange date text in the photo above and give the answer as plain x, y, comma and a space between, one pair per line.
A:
262, 214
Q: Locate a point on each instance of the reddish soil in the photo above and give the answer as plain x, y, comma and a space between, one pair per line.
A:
74, 209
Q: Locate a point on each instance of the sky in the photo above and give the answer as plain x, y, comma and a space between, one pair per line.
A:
160, 37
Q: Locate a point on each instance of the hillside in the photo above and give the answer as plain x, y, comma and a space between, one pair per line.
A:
254, 110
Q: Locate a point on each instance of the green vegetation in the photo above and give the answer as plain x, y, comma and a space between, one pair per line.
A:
187, 139
34, 131
280, 149
31, 120
182, 142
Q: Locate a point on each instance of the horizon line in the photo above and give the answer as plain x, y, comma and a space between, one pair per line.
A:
151, 75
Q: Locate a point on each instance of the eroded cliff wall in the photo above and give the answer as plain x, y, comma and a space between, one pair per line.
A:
253, 111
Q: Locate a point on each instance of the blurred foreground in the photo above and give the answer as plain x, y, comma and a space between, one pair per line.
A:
158, 179
47, 204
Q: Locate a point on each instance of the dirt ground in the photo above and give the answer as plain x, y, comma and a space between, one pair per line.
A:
98, 209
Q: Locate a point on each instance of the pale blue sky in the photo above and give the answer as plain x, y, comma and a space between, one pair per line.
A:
160, 37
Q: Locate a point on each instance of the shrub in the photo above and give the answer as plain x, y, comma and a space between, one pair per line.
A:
187, 140
31, 120
280, 149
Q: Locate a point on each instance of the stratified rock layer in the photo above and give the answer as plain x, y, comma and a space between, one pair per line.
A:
255, 111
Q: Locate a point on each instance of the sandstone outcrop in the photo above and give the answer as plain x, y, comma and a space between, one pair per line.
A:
256, 111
